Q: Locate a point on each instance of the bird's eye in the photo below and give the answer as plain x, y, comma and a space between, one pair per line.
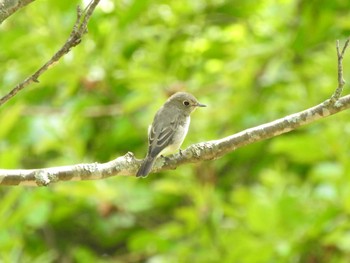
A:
186, 103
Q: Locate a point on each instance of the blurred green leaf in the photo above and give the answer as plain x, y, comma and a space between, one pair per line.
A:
301, 148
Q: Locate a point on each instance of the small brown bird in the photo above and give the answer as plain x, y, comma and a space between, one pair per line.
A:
169, 128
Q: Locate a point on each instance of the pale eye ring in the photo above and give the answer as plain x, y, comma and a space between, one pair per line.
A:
186, 103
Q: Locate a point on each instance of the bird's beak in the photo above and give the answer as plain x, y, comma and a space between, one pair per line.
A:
201, 105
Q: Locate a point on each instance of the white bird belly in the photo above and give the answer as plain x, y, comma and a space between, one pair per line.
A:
178, 138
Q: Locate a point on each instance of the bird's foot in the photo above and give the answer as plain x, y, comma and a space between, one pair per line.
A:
164, 157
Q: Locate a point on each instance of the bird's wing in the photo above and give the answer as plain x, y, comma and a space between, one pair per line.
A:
160, 137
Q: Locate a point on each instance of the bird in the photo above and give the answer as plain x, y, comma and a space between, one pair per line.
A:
169, 128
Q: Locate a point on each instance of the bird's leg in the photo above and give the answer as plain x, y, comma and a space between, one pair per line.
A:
167, 158
164, 157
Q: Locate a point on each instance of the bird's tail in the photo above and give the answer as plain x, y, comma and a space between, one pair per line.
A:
145, 167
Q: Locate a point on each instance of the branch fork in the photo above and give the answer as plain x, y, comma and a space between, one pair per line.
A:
341, 82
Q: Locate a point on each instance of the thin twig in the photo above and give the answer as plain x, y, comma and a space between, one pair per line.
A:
9, 7
79, 29
341, 82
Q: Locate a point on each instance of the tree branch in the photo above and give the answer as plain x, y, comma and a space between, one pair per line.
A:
127, 165
79, 29
341, 81
9, 7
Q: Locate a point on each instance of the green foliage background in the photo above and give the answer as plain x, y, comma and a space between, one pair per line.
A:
282, 200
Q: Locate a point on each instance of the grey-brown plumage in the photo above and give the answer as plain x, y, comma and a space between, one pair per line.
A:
169, 128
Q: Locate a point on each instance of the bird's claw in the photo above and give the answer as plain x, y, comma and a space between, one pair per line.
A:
164, 157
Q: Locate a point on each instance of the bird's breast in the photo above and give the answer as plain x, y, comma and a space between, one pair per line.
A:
178, 138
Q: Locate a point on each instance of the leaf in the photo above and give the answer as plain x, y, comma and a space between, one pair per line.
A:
303, 148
